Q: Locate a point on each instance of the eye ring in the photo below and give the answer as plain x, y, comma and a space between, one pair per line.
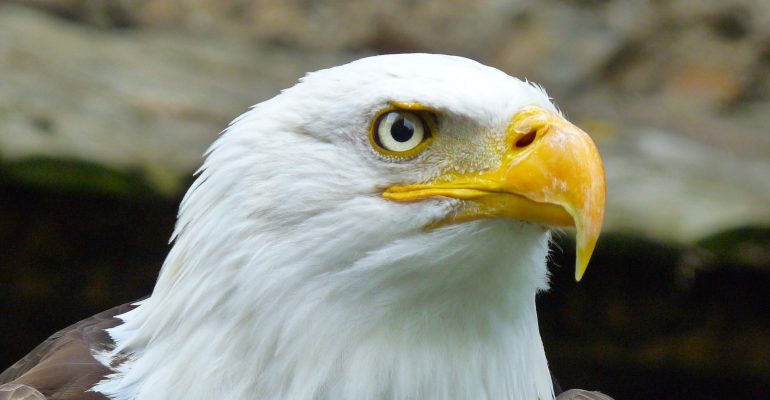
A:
401, 133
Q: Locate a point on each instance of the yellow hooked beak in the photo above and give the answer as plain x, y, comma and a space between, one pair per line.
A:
551, 174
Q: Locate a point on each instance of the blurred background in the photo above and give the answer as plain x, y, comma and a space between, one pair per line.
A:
107, 105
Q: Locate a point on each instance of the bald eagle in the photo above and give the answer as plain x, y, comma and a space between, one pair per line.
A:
378, 231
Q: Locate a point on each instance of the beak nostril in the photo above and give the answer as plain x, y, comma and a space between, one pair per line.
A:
527, 139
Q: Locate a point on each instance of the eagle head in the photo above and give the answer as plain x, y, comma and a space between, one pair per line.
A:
379, 230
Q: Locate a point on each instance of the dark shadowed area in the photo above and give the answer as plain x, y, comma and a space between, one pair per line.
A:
107, 106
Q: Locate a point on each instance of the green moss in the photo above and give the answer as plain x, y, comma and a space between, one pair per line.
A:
77, 176
742, 247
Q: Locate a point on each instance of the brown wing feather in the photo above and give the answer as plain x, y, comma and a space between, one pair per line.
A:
62, 367
577, 394
15, 391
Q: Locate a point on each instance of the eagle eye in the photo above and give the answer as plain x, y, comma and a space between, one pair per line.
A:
400, 133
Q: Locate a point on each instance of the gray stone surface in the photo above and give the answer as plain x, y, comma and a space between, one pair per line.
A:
668, 186
139, 100
676, 172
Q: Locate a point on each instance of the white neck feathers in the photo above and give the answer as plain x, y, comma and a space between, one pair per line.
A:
462, 325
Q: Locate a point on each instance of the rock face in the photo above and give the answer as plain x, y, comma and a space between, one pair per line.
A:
139, 101
106, 107
677, 187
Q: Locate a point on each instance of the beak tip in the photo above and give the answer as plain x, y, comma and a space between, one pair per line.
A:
580, 270
583, 256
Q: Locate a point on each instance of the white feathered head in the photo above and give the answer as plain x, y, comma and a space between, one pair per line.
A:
369, 233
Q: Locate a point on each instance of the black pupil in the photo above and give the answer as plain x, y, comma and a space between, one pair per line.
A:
402, 130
